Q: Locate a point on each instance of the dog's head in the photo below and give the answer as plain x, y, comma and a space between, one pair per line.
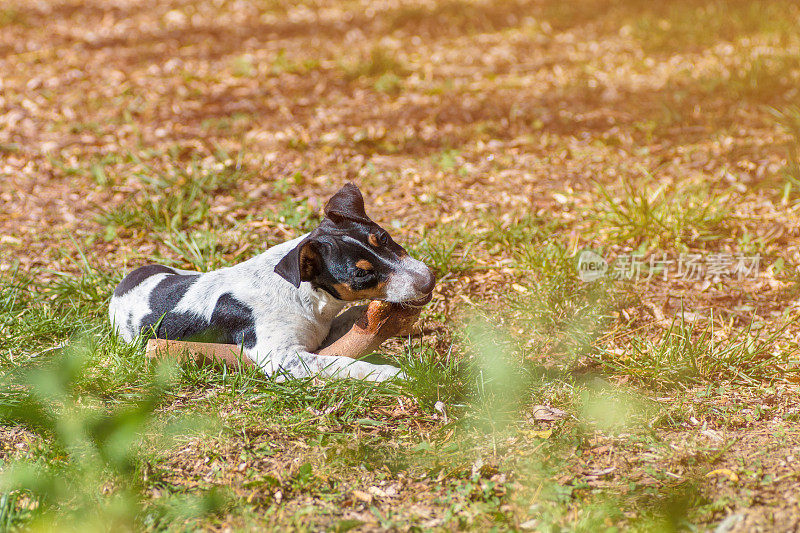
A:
353, 258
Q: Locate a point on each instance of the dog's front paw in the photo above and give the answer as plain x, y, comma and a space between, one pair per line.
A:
385, 373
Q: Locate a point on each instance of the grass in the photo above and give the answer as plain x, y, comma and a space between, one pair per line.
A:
175, 200
696, 25
789, 119
177, 203
765, 79
687, 354
12, 17
93, 454
458, 17
379, 63
483, 391
663, 217
446, 257
347, 427
560, 314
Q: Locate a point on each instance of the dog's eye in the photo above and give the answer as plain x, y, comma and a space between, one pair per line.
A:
383, 238
361, 273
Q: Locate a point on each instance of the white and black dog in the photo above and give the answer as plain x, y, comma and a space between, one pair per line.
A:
285, 303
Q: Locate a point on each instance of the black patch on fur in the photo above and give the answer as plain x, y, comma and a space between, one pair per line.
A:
370, 281
133, 279
234, 322
163, 299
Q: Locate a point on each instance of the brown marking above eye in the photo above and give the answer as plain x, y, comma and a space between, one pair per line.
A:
363, 264
373, 240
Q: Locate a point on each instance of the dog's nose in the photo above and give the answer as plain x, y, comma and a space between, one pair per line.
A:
424, 283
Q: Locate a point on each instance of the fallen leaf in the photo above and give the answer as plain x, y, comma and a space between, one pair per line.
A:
543, 434
547, 414
724, 471
378, 493
602, 472
362, 496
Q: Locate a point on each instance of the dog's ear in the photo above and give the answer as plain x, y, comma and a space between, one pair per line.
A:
302, 263
346, 204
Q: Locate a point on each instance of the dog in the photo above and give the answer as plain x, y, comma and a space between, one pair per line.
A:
282, 305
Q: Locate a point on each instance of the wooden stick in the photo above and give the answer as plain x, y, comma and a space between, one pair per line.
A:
380, 321
198, 352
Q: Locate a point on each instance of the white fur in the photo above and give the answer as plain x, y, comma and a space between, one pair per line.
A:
401, 286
